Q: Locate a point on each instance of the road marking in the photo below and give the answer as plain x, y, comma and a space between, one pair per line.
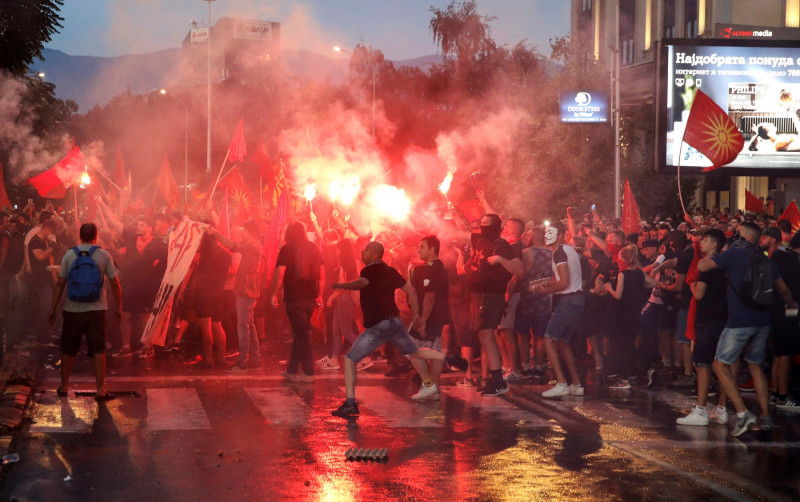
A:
396, 411
497, 405
210, 377
60, 414
280, 406
609, 414
175, 409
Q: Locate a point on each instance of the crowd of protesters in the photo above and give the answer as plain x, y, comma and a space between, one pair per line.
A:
504, 301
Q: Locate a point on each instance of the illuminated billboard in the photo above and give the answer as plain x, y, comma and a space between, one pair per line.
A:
756, 82
584, 106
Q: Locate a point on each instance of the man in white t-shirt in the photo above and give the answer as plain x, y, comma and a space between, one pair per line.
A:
86, 317
568, 305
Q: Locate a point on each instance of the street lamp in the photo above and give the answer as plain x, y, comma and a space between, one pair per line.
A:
186, 149
208, 85
336, 48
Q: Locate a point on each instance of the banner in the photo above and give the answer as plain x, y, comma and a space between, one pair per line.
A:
183, 244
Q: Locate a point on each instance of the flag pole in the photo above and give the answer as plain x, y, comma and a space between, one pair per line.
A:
105, 177
219, 175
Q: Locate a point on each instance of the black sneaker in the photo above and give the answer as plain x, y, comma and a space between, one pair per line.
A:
495, 388
346, 410
456, 361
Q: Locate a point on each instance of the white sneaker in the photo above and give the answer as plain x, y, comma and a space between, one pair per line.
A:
364, 364
331, 364
576, 390
718, 415
559, 389
512, 377
322, 362
426, 392
696, 417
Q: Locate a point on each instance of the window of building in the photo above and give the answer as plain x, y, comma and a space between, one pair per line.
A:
690, 19
586, 5
668, 29
627, 24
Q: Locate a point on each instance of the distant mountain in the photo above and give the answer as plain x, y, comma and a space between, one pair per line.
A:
91, 81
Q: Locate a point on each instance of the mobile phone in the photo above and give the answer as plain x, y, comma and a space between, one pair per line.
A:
593, 206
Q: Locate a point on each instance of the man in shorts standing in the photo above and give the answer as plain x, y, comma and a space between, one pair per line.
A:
382, 324
746, 330
86, 317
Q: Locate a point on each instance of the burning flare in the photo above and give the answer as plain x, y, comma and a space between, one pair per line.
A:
310, 192
444, 186
391, 203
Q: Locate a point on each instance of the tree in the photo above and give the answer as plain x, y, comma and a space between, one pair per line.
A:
25, 26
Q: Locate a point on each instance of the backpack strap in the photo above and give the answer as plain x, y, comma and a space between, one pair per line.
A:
77, 251
92, 250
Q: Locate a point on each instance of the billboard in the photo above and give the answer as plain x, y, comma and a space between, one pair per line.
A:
583, 106
757, 83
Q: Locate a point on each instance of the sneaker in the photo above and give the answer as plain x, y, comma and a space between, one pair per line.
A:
146, 353
744, 423
364, 364
788, 404
748, 386
123, 352
696, 417
330, 365
495, 388
538, 374
322, 362
620, 385
237, 368
426, 392
512, 376
559, 389
718, 415
456, 361
576, 390
766, 424
466, 382
683, 381
346, 410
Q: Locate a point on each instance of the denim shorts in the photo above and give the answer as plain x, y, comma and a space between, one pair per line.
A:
680, 331
389, 330
753, 340
566, 317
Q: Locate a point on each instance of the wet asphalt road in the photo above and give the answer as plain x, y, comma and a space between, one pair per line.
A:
195, 435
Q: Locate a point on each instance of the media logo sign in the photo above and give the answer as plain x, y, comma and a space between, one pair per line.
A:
584, 106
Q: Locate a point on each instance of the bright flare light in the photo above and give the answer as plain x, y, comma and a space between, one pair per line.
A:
444, 186
391, 202
547, 223
86, 179
344, 191
310, 192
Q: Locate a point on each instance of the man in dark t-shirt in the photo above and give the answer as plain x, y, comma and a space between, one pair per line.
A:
300, 270
40, 256
382, 324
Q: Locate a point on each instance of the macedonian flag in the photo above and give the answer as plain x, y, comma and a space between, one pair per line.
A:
712, 132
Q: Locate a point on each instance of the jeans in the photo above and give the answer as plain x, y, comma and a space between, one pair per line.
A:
299, 314
389, 330
248, 338
751, 340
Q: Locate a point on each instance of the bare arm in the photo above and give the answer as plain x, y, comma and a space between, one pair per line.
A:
513, 266
706, 264
786, 295
57, 293
413, 301
277, 282
699, 289
617, 293
554, 287
355, 285
116, 290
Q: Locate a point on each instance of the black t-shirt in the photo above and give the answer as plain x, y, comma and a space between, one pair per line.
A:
484, 277
154, 261
432, 278
377, 298
633, 290
15, 251
212, 269
685, 258
302, 261
39, 272
713, 307
788, 266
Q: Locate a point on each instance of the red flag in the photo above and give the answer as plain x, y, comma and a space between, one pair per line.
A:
792, 213
261, 158
237, 147
752, 203
119, 170
224, 218
52, 184
4, 200
235, 184
631, 220
273, 239
167, 185
712, 132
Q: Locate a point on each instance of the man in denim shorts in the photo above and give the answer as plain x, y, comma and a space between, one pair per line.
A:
382, 323
746, 329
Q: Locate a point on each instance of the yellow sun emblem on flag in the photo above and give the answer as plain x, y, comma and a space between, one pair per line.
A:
721, 136
240, 197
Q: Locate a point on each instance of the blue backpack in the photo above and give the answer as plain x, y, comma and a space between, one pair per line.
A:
85, 280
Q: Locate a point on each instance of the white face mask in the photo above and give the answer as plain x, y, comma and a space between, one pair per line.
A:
550, 235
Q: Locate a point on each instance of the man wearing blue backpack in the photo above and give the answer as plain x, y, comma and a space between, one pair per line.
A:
83, 271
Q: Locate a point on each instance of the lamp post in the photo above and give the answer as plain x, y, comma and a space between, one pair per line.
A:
336, 48
208, 86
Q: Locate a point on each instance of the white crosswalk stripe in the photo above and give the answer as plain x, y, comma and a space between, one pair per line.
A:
496, 405
175, 409
395, 410
55, 414
279, 406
